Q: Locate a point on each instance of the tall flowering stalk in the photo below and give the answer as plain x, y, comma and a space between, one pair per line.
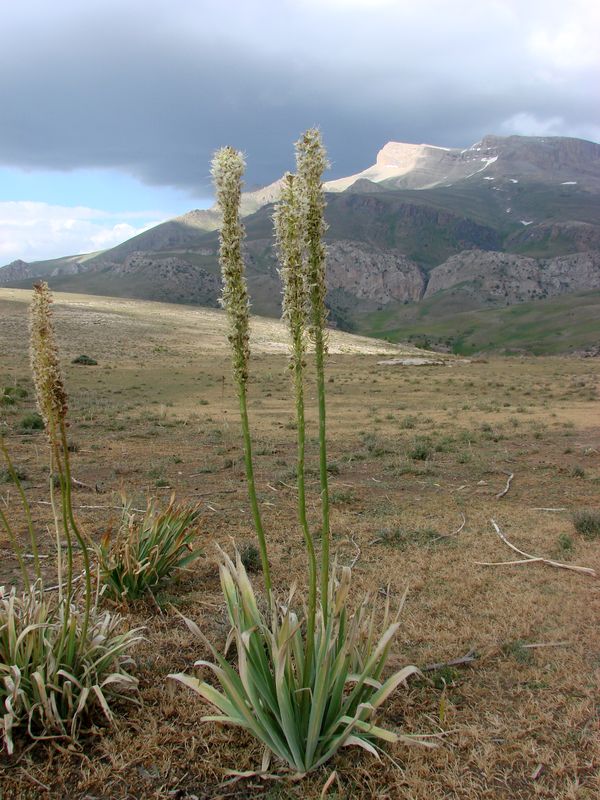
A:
227, 171
306, 685
56, 660
53, 404
311, 162
289, 230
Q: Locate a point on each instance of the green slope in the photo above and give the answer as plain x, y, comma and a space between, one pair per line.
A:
554, 325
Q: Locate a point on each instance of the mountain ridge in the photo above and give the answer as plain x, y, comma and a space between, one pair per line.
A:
422, 216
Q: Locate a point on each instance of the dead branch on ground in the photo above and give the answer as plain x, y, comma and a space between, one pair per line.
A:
529, 559
454, 533
511, 475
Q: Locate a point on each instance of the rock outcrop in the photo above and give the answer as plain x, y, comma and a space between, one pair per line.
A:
508, 278
15, 271
171, 279
374, 274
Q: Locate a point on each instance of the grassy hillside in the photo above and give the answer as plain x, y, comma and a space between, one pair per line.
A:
554, 325
180, 328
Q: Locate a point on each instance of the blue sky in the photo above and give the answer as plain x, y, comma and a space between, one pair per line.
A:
112, 108
101, 188
51, 213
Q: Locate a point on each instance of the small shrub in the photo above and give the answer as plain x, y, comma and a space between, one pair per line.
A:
408, 422
32, 422
87, 361
397, 470
373, 446
587, 523
518, 651
565, 543
342, 496
420, 450
578, 472
146, 551
444, 676
250, 556
402, 538
6, 477
445, 444
10, 394
16, 391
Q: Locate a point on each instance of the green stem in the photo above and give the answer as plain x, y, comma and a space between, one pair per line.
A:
75, 529
252, 489
59, 561
310, 547
324, 478
56, 468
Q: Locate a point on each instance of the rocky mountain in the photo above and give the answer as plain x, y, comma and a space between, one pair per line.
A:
505, 278
16, 271
554, 160
507, 220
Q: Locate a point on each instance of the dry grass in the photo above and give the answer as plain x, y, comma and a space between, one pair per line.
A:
159, 412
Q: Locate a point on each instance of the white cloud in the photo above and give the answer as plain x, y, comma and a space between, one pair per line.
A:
342, 5
526, 124
35, 231
560, 54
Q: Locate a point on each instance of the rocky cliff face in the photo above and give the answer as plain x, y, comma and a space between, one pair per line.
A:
15, 271
575, 236
507, 278
172, 279
373, 274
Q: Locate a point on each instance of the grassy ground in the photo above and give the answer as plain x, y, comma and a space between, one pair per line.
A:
413, 452
544, 327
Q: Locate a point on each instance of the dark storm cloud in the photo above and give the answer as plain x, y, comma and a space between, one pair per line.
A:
154, 88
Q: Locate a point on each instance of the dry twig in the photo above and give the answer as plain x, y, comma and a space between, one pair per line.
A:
474, 655
471, 656
511, 475
529, 559
357, 554
454, 533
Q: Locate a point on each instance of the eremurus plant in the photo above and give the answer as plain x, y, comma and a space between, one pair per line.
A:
307, 682
61, 657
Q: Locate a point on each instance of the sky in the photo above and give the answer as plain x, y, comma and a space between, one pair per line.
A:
110, 109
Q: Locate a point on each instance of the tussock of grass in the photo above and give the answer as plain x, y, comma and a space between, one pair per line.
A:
57, 668
402, 538
303, 711
587, 523
147, 549
32, 422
